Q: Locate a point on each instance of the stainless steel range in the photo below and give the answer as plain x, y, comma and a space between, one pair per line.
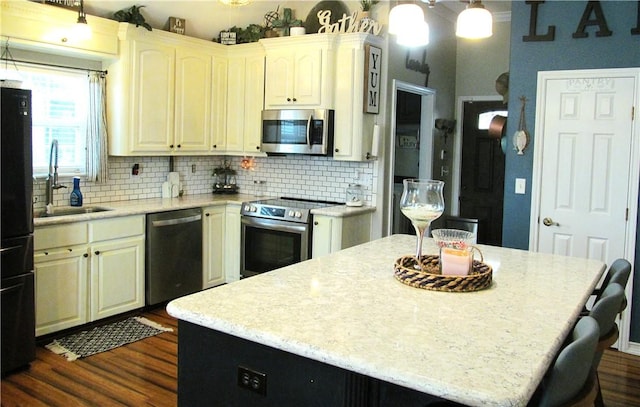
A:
276, 233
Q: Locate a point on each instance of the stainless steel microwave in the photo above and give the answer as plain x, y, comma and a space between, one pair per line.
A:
297, 131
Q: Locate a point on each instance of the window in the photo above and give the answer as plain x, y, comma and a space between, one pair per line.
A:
59, 111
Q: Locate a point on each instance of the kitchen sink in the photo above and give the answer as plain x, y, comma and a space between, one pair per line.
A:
65, 211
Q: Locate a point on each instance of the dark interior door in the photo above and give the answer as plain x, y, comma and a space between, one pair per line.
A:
482, 173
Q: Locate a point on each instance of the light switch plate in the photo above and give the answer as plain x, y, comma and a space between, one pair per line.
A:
521, 185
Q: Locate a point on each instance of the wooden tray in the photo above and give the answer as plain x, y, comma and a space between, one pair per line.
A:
431, 279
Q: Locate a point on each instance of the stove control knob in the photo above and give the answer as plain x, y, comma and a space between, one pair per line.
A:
298, 214
291, 214
253, 208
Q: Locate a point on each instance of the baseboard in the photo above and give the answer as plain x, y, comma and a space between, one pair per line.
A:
633, 348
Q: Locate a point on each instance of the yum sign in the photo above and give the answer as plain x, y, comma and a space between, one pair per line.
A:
347, 24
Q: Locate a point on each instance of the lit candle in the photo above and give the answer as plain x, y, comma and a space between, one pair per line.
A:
454, 261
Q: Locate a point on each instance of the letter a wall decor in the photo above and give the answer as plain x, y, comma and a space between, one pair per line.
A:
372, 65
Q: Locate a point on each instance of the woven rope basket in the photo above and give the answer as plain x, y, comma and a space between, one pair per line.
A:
431, 279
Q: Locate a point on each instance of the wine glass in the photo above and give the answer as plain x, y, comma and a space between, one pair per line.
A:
422, 202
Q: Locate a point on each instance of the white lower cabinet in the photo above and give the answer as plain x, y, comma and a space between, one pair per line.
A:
86, 271
213, 246
117, 277
232, 243
331, 233
221, 245
61, 288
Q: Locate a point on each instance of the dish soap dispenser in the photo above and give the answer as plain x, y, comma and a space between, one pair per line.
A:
76, 196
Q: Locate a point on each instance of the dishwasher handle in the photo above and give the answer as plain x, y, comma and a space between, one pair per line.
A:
177, 221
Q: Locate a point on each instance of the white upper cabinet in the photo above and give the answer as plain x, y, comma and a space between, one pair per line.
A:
193, 100
43, 28
353, 128
160, 97
245, 90
152, 97
299, 72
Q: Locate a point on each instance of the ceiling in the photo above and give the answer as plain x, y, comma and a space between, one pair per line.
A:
498, 6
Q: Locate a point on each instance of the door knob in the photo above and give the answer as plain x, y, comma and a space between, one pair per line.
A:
549, 222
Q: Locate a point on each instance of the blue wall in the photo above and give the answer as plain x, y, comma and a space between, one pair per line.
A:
619, 50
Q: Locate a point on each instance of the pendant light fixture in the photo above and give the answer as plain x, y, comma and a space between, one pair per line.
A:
235, 2
406, 21
81, 31
475, 21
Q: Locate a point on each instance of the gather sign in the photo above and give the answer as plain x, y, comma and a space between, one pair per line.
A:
347, 24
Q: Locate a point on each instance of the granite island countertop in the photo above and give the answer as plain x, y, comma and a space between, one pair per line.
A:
144, 206
489, 347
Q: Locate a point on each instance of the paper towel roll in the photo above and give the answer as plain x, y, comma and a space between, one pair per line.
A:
375, 140
173, 178
166, 190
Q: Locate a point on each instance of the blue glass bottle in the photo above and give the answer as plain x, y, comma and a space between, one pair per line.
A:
75, 199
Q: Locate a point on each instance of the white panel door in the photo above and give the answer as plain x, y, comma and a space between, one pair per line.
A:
586, 156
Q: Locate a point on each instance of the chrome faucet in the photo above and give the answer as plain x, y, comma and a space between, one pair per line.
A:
52, 177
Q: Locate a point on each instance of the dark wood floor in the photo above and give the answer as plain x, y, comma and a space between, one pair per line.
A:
144, 373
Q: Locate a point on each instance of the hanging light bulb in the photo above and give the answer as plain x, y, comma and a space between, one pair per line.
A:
474, 22
416, 36
404, 17
81, 31
235, 2
406, 21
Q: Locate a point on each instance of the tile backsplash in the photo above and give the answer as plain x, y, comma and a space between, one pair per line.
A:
307, 177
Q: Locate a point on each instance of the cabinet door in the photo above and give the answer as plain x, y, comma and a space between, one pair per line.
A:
152, 112
253, 102
193, 98
213, 241
236, 122
353, 141
117, 277
307, 77
324, 230
219, 104
61, 288
279, 73
232, 243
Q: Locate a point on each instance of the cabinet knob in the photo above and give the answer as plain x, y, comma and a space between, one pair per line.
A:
316, 223
85, 255
179, 146
70, 250
257, 147
295, 100
206, 214
97, 252
46, 253
337, 150
288, 99
171, 146
215, 146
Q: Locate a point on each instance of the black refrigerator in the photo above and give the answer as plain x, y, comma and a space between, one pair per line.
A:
17, 292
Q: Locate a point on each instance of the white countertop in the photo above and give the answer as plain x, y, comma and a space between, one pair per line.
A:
489, 347
143, 206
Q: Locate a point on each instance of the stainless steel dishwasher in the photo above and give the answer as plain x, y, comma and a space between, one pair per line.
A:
173, 254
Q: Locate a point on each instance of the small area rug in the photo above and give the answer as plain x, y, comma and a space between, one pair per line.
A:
106, 337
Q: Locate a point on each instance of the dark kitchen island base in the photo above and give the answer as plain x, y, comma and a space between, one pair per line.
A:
208, 374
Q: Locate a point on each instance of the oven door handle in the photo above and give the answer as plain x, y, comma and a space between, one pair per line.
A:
274, 225
309, 130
